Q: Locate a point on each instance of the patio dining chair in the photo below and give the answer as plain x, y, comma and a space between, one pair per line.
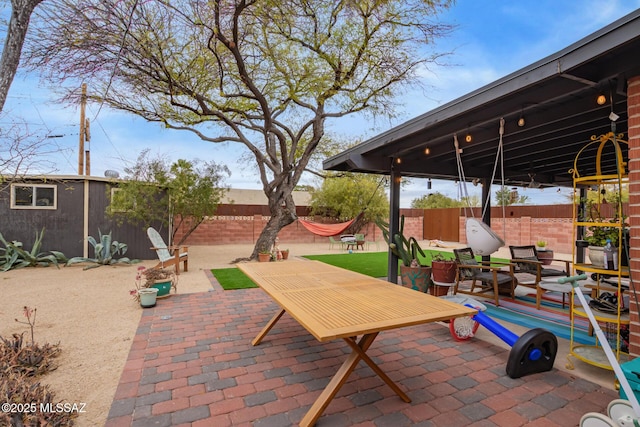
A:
527, 263
168, 255
333, 242
484, 276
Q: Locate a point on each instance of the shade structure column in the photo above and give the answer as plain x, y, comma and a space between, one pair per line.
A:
394, 219
633, 110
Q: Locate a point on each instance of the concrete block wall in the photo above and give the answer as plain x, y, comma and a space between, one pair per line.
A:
557, 232
224, 230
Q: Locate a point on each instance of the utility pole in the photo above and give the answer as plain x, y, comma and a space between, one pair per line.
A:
83, 102
87, 151
84, 135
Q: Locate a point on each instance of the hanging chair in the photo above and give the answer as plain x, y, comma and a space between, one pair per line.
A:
482, 239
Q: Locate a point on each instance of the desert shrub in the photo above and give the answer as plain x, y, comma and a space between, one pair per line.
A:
106, 250
13, 254
30, 403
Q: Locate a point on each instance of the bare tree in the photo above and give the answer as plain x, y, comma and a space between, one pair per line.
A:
21, 11
23, 151
261, 73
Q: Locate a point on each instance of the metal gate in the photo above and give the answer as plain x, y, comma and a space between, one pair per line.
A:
441, 224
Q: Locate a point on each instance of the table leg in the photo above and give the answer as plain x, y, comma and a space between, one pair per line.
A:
377, 369
267, 327
341, 376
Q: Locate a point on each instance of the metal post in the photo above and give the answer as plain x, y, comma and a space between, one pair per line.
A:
394, 220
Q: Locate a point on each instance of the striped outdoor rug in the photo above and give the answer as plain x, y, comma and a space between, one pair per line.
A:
522, 311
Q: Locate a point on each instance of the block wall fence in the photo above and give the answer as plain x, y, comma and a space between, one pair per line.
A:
224, 230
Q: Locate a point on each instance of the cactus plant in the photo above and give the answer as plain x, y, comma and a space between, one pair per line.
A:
406, 249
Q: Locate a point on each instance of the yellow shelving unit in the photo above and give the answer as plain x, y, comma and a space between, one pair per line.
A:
610, 323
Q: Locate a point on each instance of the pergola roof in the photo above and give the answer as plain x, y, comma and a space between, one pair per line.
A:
557, 98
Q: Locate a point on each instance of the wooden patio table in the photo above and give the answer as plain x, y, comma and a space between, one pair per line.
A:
333, 303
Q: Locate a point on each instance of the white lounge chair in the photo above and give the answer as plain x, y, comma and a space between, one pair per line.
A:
165, 255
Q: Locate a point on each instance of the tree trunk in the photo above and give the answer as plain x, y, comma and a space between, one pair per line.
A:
281, 216
18, 25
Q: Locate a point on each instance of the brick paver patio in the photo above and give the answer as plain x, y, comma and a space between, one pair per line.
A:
192, 364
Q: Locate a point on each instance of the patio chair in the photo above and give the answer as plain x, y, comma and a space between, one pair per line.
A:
485, 276
333, 242
526, 262
168, 255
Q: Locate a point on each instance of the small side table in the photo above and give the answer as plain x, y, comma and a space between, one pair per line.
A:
552, 285
355, 244
443, 285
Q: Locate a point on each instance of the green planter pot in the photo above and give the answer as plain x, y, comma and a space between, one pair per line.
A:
163, 287
416, 278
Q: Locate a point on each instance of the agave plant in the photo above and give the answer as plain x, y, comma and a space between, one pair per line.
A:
13, 255
105, 250
407, 249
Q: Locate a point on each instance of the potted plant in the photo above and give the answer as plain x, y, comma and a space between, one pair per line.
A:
598, 234
264, 255
413, 275
443, 270
285, 254
151, 284
160, 278
147, 297
545, 255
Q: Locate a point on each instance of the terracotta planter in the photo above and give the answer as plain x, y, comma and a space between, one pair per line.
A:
416, 278
545, 256
443, 271
285, 255
264, 257
438, 291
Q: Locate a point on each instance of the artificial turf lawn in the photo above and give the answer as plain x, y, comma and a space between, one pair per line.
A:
372, 264
232, 278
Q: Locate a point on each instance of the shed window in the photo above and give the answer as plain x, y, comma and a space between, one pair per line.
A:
33, 196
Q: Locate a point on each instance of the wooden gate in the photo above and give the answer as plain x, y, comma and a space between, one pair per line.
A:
441, 224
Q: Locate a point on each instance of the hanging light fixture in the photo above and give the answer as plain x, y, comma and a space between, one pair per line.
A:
468, 138
427, 151
601, 99
521, 121
429, 184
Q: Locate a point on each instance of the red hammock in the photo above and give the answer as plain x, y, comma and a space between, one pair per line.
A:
326, 230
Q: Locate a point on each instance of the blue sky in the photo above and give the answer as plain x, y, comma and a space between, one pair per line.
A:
493, 39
